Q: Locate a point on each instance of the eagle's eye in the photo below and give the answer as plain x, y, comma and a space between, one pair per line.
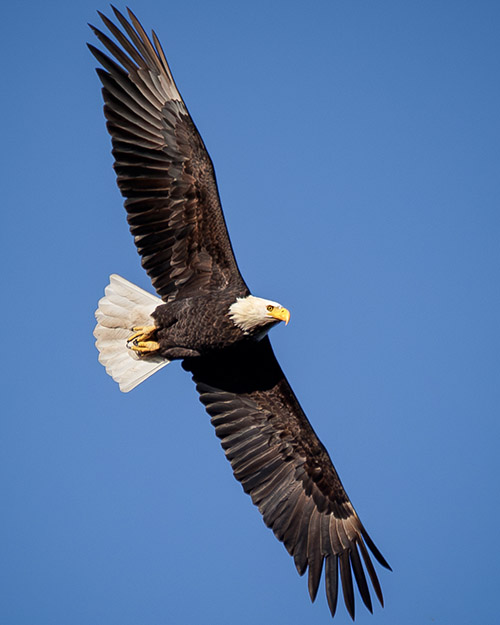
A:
270, 308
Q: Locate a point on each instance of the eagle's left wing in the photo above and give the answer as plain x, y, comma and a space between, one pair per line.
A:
283, 466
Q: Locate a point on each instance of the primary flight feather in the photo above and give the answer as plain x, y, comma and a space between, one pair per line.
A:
208, 319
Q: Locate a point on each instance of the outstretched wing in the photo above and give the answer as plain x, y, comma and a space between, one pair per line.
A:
283, 466
163, 168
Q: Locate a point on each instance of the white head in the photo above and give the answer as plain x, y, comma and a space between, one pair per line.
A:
255, 315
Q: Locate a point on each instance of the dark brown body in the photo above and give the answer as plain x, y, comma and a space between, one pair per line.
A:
196, 326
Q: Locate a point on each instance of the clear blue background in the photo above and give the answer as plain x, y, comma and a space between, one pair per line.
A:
357, 148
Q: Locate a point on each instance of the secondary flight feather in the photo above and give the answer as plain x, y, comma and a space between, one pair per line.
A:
206, 317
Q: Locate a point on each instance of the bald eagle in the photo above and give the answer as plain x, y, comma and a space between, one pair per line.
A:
206, 317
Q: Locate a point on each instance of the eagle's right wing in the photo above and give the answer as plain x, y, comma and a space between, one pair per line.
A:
163, 168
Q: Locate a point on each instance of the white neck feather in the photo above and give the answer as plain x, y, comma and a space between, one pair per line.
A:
249, 314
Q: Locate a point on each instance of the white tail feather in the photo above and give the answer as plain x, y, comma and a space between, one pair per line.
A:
123, 307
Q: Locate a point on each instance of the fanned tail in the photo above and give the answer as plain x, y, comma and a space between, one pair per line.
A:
123, 307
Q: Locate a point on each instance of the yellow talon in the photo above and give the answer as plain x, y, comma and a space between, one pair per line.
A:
142, 333
144, 347
140, 341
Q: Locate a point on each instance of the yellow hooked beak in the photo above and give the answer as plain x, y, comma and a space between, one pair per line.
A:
280, 314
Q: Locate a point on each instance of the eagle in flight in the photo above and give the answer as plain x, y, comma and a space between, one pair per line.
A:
206, 317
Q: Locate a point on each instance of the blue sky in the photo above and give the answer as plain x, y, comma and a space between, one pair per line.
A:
357, 149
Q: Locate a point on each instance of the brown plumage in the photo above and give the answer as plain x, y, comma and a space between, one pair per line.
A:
163, 170
173, 209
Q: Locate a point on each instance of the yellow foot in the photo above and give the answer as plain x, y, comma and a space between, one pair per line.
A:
140, 341
142, 333
144, 347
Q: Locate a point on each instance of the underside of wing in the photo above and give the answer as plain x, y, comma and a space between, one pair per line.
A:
282, 465
163, 168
